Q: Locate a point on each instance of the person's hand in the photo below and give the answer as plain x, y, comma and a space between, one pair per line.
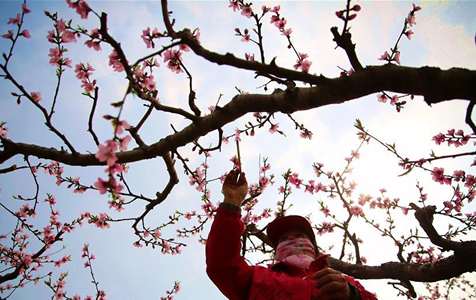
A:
331, 285
235, 187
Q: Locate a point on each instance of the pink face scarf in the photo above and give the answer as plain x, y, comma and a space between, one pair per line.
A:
298, 252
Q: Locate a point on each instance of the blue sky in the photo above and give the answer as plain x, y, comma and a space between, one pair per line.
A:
444, 37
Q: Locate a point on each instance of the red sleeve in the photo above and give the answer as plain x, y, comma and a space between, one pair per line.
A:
225, 266
364, 294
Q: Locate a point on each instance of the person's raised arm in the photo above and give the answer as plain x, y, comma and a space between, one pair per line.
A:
225, 266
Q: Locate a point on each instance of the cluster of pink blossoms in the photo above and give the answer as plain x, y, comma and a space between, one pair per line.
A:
438, 175
245, 8
94, 41
312, 187
145, 79
209, 209
452, 137
198, 178
61, 36
83, 73
325, 227
107, 153
55, 169
173, 58
303, 63
115, 62
148, 36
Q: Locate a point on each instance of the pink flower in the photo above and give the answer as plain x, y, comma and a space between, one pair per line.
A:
156, 234
117, 168
274, 128
397, 57
146, 38
107, 152
306, 134
246, 11
439, 138
356, 210
302, 63
26, 34
382, 98
174, 59
115, 62
120, 126
184, 47
237, 135
51, 36
246, 37
306, 64
287, 32
281, 23
124, 142
234, 5
82, 8
95, 45
8, 35
274, 19
68, 36
15, 21
249, 57
55, 55
61, 26
394, 100
411, 19
438, 175
36, 96
384, 56
408, 34
25, 10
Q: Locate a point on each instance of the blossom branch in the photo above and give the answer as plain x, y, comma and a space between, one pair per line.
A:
34, 101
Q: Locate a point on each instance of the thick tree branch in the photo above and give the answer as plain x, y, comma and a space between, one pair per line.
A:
469, 119
447, 268
425, 218
434, 84
345, 42
463, 260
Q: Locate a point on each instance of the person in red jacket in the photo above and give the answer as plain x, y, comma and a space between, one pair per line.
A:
301, 272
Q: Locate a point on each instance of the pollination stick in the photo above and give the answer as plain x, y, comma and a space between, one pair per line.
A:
239, 156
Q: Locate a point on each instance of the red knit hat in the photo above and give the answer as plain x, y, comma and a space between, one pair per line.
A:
281, 224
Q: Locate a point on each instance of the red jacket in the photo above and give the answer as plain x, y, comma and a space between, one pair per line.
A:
237, 280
